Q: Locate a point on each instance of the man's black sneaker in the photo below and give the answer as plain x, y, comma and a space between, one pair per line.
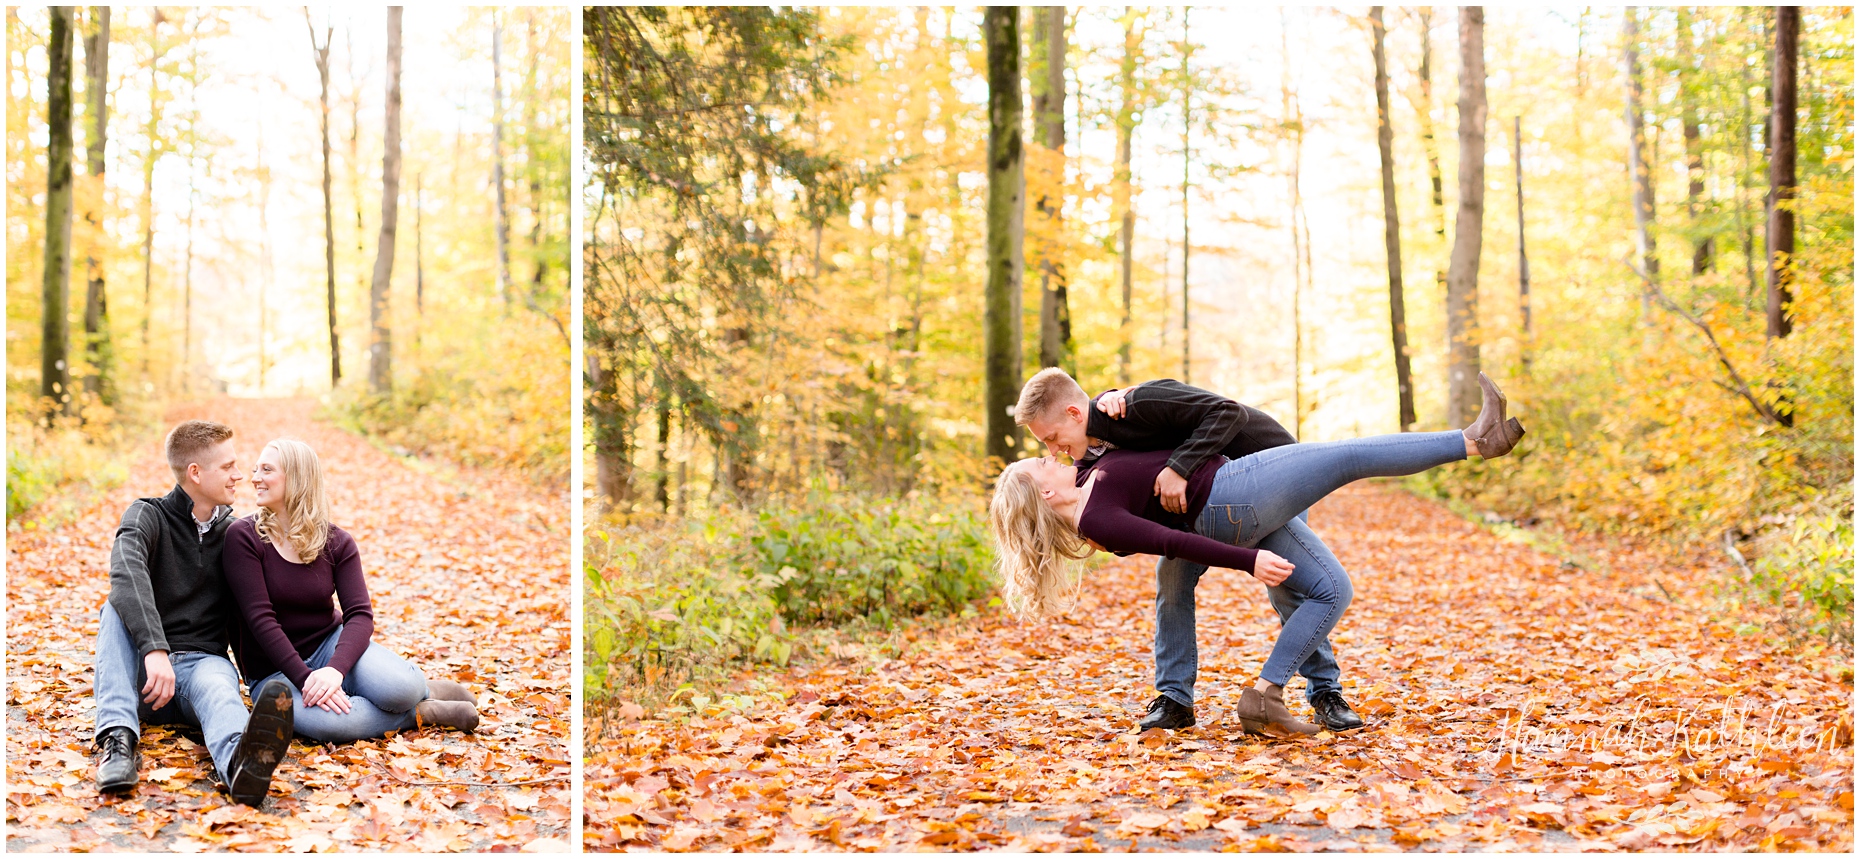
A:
1333, 713
266, 739
118, 760
1164, 712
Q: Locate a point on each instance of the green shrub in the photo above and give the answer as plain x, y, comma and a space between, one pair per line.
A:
1814, 563
44, 463
675, 605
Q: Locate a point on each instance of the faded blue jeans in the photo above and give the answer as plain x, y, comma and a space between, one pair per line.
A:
1259, 501
206, 691
383, 689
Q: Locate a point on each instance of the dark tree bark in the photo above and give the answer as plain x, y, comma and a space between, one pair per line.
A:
1391, 223
98, 355
1703, 247
1430, 144
1120, 181
1049, 116
156, 50
1188, 93
1638, 169
55, 330
1001, 349
329, 206
1463, 395
1782, 168
381, 337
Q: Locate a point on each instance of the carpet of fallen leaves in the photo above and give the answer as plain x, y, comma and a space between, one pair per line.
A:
468, 572
1515, 703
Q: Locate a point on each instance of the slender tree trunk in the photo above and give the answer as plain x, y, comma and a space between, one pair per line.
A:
156, 50
1001, 350
1702, 244
497, 158
1638, 168
663, 475
1524, 261
329, 205
1463, 267
1746, 222
98, 355
1120, 187
381, 338
266, 259
355, 157
1781, 203
55, 331
1391, 223
1430, 144
419, 247
1049, 115
187, 264
1293, 119
1188, 94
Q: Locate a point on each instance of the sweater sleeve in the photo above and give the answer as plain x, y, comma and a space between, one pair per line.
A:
358, 617
243, 562
1168, 404
131, 594
1122, 531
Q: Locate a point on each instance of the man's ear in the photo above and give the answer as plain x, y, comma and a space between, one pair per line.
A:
1075, 413
194, 472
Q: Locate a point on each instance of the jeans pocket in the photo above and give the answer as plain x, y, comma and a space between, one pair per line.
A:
1233, 524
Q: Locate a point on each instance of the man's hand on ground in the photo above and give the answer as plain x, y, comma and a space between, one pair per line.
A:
1271, 569
1172, 489
159, 689
323, 688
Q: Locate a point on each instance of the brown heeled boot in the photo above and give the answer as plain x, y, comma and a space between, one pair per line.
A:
1265, 714
434, 713
1492, 433
447, 690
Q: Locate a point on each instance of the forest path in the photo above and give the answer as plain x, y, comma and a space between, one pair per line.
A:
1514, 704
468, 574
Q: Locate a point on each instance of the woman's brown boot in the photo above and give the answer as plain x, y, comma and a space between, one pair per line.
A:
1265, 714
1492, 433
447, 690
434, 713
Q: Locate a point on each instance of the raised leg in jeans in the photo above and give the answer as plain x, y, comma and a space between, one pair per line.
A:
206, 691
382, 688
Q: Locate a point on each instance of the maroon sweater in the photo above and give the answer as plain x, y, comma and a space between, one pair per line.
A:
1124, 515
285, 608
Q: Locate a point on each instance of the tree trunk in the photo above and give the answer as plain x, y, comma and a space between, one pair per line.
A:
1188, 94
1001, 349
187, 257
98, 355
613, 461
419, 247
355, 156
329, 205
156, 50
1781, 203
1292, 118
1049, 115
1391, 223
1463, 395
497, 158
381, 338
1120, 187
1702, 245
663, 478
266, 259
1524, 261
1638, 169
54, 365
1430, 144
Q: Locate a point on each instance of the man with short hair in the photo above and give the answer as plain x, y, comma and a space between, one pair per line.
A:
162, 641
1165, 414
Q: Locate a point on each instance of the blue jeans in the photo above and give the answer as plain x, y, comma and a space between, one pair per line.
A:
382, 688
1259, 501
206, 691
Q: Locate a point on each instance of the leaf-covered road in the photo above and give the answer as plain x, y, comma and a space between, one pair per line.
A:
1515, 703
468, 573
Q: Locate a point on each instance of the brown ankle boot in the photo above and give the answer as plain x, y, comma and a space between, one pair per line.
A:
1492, 434
447, 690
1266, 715
434, 713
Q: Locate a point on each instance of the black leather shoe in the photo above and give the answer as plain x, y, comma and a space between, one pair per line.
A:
1334, 713
266, 739
118, 760
1164, 712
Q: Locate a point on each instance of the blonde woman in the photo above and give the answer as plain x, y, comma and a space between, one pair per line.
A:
283, 565
1241, 514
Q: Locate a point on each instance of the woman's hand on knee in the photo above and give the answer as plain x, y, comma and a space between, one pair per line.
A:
323, 688
1271, 569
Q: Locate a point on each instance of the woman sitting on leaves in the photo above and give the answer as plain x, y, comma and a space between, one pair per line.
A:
283, 564
1045, 514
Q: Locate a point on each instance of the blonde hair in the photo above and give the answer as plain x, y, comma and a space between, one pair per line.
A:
304, 501
1049, 389
188, 440
1036, 549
